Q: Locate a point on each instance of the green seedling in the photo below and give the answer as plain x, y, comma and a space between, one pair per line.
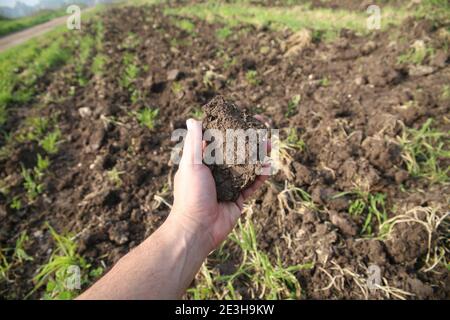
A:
445, 92
114, 176
252, 77
186, 25
33, 187
33, 178
16, 203
147, 117
324, 82
98, 65
292, 105
131, 71
197, 113
20, 254
423, 151
223, 33
177, 87
294, 141
50, 142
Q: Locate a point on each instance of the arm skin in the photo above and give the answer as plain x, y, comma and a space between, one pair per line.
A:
163, 266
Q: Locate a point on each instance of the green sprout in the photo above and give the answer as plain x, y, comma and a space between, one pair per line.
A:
147, 117
292, 105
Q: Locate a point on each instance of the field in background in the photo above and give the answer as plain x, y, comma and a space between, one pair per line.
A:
86, 119
8, 26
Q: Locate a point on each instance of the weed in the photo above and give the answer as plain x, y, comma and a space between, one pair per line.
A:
252, 77
415, 55
65, 272
147, 117
292, 105
5, 266
422, 151
270, 280
369, 207
20, 254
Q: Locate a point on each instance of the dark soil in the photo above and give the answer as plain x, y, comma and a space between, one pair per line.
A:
349, 123
231, 179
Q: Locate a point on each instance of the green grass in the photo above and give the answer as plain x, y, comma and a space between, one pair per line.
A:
186, 25
415, 55
297, 17
423, 151
371, 208
8, 26
57, 274
265, 279
17, 256
22, 66
223, 33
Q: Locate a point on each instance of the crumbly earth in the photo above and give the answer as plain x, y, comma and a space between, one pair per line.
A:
230, 179
355, 99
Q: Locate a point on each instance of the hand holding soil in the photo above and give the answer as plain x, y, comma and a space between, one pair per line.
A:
196, 205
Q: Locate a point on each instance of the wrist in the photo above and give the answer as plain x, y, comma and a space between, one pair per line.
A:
194, 233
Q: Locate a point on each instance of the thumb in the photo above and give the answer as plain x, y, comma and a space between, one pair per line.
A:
192, 150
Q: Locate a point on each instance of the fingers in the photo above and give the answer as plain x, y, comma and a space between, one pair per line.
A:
259, 181
192, 150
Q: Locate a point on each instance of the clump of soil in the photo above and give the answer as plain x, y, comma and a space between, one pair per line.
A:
231, 179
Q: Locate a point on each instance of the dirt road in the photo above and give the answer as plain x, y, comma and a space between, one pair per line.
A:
19, 37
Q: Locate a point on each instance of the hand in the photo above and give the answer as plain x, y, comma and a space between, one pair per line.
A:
195, 201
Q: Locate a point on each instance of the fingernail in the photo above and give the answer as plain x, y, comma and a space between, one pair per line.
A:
189, 124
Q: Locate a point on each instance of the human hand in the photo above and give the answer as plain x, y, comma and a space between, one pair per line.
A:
195, 200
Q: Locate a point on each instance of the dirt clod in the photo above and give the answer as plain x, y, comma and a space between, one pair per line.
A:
230, 179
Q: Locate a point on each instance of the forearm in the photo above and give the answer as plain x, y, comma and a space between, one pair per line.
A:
162, 267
